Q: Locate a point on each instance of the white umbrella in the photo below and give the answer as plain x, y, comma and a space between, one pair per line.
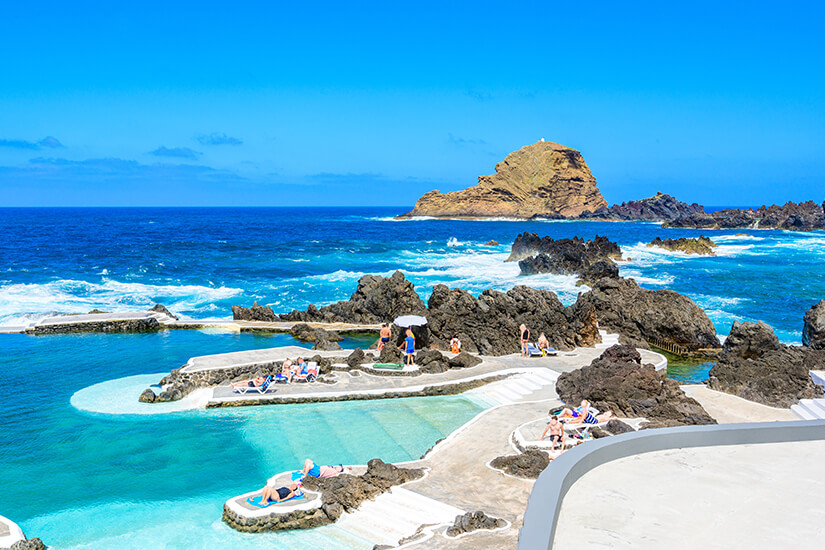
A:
410, 321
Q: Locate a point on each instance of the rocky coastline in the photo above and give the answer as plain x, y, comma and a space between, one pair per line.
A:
660, 207
791, 216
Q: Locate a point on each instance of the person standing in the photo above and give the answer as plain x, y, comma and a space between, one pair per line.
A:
384, 336
524, 334
409, 348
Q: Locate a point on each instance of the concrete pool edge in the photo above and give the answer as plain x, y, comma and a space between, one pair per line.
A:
547, 496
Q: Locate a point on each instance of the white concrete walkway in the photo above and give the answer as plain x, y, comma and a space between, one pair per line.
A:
740, 496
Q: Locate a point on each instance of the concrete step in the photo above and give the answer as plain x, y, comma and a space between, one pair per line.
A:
813, 407
545, 376
530, 384
802, 412
818, 376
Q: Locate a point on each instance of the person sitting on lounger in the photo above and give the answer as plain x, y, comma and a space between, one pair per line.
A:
542, 343
455, 345
254, 383
556, 429
280, 494
286, 371
314, 470
384, 336
409, 348
585, 414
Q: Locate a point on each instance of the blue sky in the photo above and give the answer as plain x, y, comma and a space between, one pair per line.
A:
255, 103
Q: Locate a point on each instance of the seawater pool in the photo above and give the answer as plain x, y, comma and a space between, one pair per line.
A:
81, 479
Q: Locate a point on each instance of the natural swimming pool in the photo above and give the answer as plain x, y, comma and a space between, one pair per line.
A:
89, 480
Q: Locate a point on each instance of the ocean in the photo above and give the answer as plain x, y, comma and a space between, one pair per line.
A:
88, 473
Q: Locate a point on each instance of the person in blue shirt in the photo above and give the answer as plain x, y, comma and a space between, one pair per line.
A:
409, 348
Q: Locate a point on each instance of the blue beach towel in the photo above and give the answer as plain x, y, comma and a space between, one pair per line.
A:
256, 500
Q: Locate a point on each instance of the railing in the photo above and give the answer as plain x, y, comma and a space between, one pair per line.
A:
541, 516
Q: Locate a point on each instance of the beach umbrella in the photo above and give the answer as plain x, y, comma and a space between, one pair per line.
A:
410, 321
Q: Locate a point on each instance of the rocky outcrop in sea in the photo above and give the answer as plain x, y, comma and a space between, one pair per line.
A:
813, 329
544, 180
590, 260
254, 313
803, 216
702, 246
660, 207
641, 316
376, 300
756, 367
618, 381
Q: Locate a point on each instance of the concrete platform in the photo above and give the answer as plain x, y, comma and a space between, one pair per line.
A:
729, 409
742, 496
10, 533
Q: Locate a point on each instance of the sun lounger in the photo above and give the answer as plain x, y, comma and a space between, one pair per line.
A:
535, 351
259, 389
388, 366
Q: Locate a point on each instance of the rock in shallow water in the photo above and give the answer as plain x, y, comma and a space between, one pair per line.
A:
813, 330
755, 366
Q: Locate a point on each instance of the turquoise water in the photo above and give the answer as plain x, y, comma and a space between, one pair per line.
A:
98, 480
92, 480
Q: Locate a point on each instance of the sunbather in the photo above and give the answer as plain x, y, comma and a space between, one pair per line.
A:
384, 336
280, 494
556, 429
286, 371
314, 470
585, 414
254, 383
542, 343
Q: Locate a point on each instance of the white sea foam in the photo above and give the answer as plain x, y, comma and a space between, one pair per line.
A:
22, 303
454, 242
663, 280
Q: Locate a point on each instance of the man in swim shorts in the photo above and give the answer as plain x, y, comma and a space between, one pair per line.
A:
385, 334
556, 429
254, 383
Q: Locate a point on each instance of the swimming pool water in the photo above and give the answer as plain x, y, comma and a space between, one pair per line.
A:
92, 480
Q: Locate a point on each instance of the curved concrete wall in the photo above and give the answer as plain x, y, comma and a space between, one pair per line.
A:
542, 512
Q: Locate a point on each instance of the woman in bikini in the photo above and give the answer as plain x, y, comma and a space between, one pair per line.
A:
280, 494
524, 334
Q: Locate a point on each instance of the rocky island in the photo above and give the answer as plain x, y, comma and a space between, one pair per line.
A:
701, 246
542, 180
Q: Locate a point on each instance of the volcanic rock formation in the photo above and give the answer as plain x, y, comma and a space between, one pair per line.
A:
489, 324
376, 300
618, 381
805, 216
528, 464
755, 366
544, 179
590, 260
702, 245
254, 313
473, 521
641, 315
813, 331
660, 207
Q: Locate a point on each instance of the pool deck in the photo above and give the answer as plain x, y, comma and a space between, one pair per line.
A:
10, 533
362, 384
165, 322
737, 496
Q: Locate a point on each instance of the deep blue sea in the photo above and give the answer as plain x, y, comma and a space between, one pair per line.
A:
86, 479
